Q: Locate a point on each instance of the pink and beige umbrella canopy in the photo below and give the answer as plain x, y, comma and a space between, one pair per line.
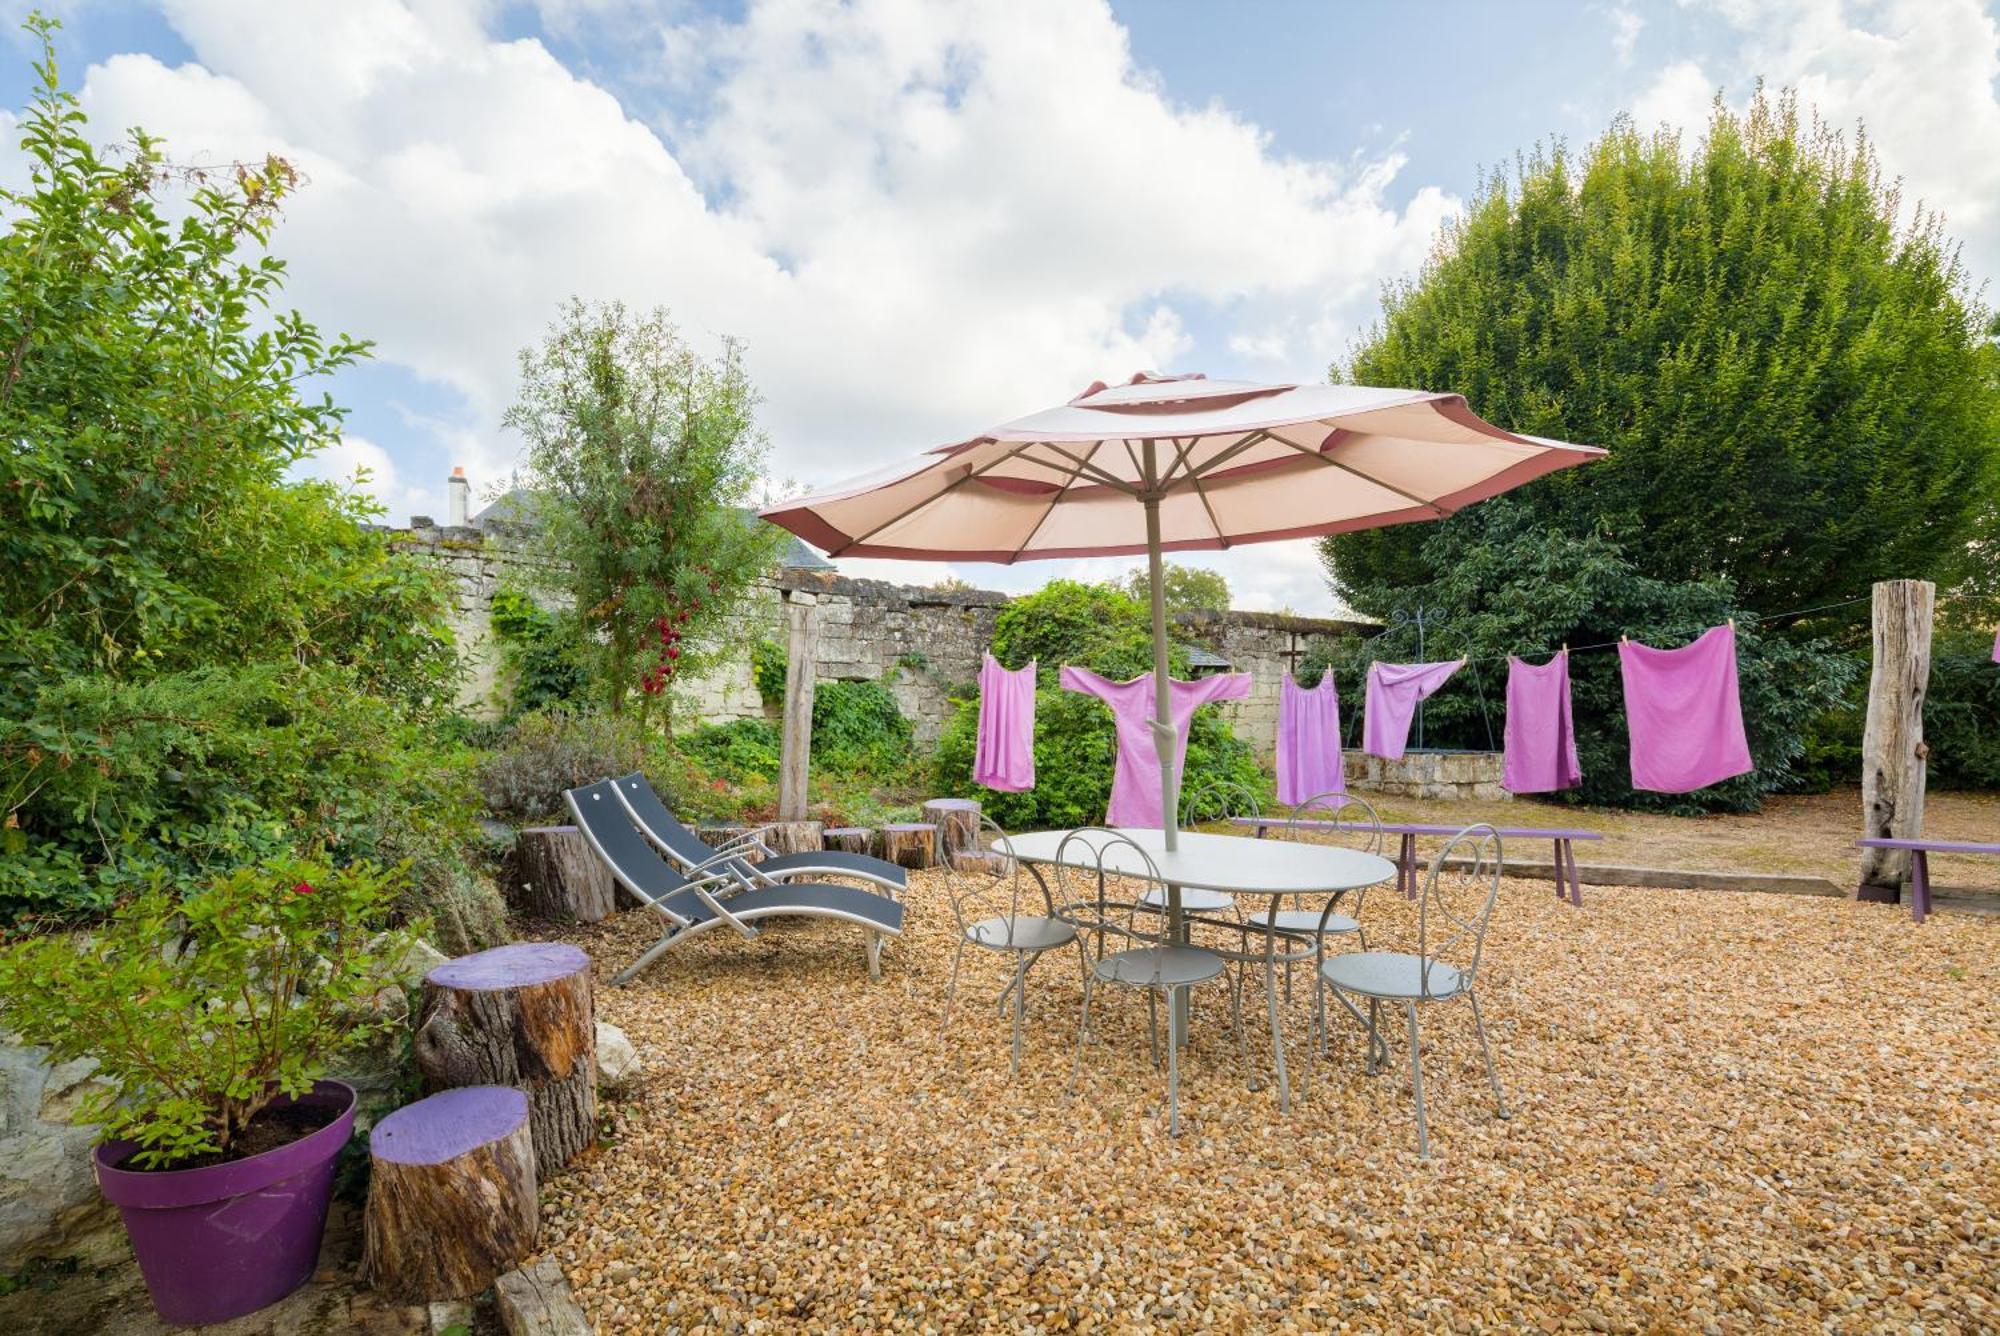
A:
1178, 464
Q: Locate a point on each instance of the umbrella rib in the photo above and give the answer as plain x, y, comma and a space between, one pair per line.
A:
1079, 467
940, 494
1054, 501
1330, 462
1207, 506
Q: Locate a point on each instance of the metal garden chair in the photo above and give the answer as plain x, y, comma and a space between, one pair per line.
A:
1326, 818
1164, 968
986, 895
1218, 801
1457, 905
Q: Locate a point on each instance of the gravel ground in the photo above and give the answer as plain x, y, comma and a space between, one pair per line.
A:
1731, 1111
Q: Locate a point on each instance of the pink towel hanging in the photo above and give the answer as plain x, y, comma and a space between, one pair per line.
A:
1135, 786
1393, 692
1684, 713
1004, 758
1541, 740
1308, 740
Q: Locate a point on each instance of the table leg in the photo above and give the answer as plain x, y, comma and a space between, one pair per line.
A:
1920, 884
1277, 1033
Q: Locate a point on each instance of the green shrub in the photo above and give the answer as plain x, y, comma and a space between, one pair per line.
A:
767, 670
858, 727
201, 1009
738, 752
543, 754
540, 662
1107, 632
1962, 711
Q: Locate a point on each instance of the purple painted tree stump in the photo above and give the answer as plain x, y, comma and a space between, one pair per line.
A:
957, 822
520, 1016
850, 839
451, 1195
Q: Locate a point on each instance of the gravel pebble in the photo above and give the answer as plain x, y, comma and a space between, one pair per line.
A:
1730, 1111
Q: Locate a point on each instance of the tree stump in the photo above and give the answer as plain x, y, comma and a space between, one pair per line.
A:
721, 836
911, 845
793, 837
850, 839
957, 822
555, 874
451, 1195
521, 1016
536, 1301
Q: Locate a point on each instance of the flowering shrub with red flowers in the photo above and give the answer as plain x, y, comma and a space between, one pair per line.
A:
202, 1009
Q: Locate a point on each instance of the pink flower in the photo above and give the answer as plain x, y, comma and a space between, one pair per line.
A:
303, 888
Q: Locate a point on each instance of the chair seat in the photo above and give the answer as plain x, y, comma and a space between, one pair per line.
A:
1192, 901
1160, 966
1031, 933
1391, 975
1303, 920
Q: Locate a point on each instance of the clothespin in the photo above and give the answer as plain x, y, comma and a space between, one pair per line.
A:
1732, 623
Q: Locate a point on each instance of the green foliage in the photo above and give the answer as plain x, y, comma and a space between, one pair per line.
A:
541, 663
858, 728
201, 662
738, 752
1525, 589
201, 1009
1189, 588
1794, 389
186, 774
1962, 711
767, 670
640, 455
543, 754
1108, 632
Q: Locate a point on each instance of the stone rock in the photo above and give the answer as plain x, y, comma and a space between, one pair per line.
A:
617, 1061
49, 1202
411, 967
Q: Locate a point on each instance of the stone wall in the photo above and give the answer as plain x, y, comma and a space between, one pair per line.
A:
49, 1203
919, 642
1427, 774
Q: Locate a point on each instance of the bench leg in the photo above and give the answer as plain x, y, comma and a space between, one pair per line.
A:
1406, 867
1566, 869
1920, 885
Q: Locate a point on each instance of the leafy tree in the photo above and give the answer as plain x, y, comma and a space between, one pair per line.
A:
1791, 385
1189, 588
202, 664
1108, 632
641, 454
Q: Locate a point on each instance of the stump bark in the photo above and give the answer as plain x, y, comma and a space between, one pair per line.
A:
520, 1016
957, 822
911, 845
850, 839
793, 837
451, 1195
555, 874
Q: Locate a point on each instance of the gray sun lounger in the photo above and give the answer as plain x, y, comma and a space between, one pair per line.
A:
688, 850
714, 896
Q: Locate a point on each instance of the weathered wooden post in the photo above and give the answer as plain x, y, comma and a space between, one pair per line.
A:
801, 655
1892, 747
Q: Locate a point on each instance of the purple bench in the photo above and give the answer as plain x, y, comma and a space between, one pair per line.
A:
1920, 864
1407, 869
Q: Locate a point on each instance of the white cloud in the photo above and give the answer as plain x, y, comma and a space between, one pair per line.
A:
923, 218
1920, 75
1626, 26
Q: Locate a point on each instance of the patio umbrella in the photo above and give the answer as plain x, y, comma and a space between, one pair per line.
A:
1178, 464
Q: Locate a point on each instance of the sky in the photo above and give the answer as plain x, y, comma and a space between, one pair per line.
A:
926, 217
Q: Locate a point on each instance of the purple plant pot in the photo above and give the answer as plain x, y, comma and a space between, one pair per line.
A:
221, 1241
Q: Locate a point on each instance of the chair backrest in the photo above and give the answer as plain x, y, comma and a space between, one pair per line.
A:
1459, 894
652, 814
1218, 800
605, 824
989, 886
1355, 824
1088, 860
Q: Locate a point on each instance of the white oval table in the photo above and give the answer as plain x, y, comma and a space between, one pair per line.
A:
1232, 863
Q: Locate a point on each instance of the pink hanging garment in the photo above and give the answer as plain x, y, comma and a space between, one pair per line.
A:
1541, 742
1393, 692
1135, 787
1684, 714
1004, 758
1308, 740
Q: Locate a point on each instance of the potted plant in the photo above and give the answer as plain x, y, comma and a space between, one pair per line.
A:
212, 1018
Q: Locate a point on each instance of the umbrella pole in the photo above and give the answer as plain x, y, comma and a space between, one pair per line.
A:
1163, 732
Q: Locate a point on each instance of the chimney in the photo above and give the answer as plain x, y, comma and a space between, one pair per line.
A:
458, 499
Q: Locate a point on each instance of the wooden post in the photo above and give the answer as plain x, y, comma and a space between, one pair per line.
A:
1892, 746
554, 874
451, 1195
519, 1016
801, 657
